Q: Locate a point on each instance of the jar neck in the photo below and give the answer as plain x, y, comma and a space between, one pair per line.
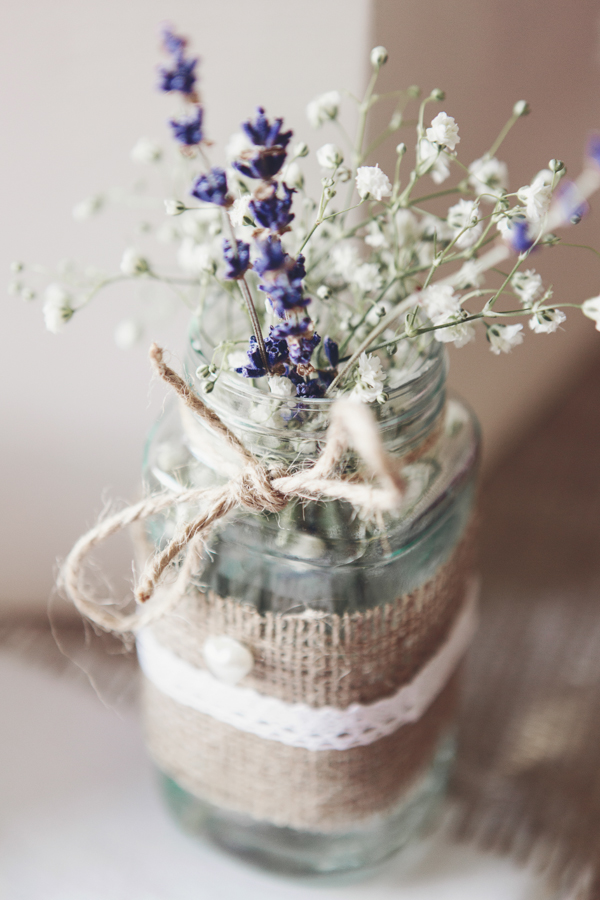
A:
292, 430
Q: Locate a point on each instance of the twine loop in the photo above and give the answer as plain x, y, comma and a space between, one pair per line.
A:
255, 488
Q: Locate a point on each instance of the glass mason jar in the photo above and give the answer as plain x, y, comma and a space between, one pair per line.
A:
337, 607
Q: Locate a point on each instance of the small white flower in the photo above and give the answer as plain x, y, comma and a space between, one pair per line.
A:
537, 196
371, 181
133, 264
237, 359
300, 149
239, 210
503, 338
281, 387
85, 209
58, 308
345, 260
470, 275
488, 176
146, 151
323, 108
546, 322
591, 309
366, 277
293, 176
461, 216
527, 285
375, 314
439, 302
432, 225
433, 161
444, 131
128, 333
329, 156
407, 227
196, 258
375, 236
236, 145
174, 207
459, 334
370, 379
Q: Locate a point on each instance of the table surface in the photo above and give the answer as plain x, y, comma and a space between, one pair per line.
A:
81, 819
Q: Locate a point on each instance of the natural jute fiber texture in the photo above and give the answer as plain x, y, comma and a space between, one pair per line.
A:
256, 488
317, 659
326, 660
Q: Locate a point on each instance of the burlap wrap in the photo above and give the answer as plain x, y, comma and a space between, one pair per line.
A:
319, 659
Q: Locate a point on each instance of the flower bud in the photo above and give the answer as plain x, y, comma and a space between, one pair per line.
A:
16, 266
550, 240
323, 292
202, 371
174, 207
401, 149
414, 91
27, 294
329, 156
208, 387
379, 57
395, 121
437, 95
521, 108
344, 174
300, 149
556, 165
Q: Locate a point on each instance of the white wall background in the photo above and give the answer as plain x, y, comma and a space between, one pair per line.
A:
78, 91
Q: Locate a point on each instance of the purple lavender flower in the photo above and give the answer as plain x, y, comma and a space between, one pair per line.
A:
212, 187
332, 352
264, 164
173, 43
285, 294
272, 255
237, 261
181, 77
274, 212
301, 349
291, 328
593, 148
519, 236
568, 198
188, 130
311, 388
264, 134
277, 356
325, 377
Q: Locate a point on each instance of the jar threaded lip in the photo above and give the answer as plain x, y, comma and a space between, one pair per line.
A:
262, 419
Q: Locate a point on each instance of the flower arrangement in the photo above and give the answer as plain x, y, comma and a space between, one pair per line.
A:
334, 292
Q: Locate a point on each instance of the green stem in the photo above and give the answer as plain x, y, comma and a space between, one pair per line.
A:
494, 148
445, 193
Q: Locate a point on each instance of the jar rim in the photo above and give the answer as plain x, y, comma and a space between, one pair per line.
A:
433, 362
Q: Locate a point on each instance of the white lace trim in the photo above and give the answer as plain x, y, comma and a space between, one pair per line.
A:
297, 724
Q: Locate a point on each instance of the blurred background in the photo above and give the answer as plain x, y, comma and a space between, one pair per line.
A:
79, 90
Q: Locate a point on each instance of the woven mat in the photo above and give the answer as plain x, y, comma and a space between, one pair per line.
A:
527, 780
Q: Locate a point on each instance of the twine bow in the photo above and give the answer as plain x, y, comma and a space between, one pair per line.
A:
256, 488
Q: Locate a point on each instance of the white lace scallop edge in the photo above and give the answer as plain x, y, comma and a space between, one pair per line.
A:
297, 724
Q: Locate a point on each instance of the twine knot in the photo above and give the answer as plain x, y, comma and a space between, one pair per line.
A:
254, 488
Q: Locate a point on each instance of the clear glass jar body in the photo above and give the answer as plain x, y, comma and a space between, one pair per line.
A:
325, 559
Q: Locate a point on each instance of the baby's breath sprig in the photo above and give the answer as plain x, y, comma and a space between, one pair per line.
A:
251, 237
